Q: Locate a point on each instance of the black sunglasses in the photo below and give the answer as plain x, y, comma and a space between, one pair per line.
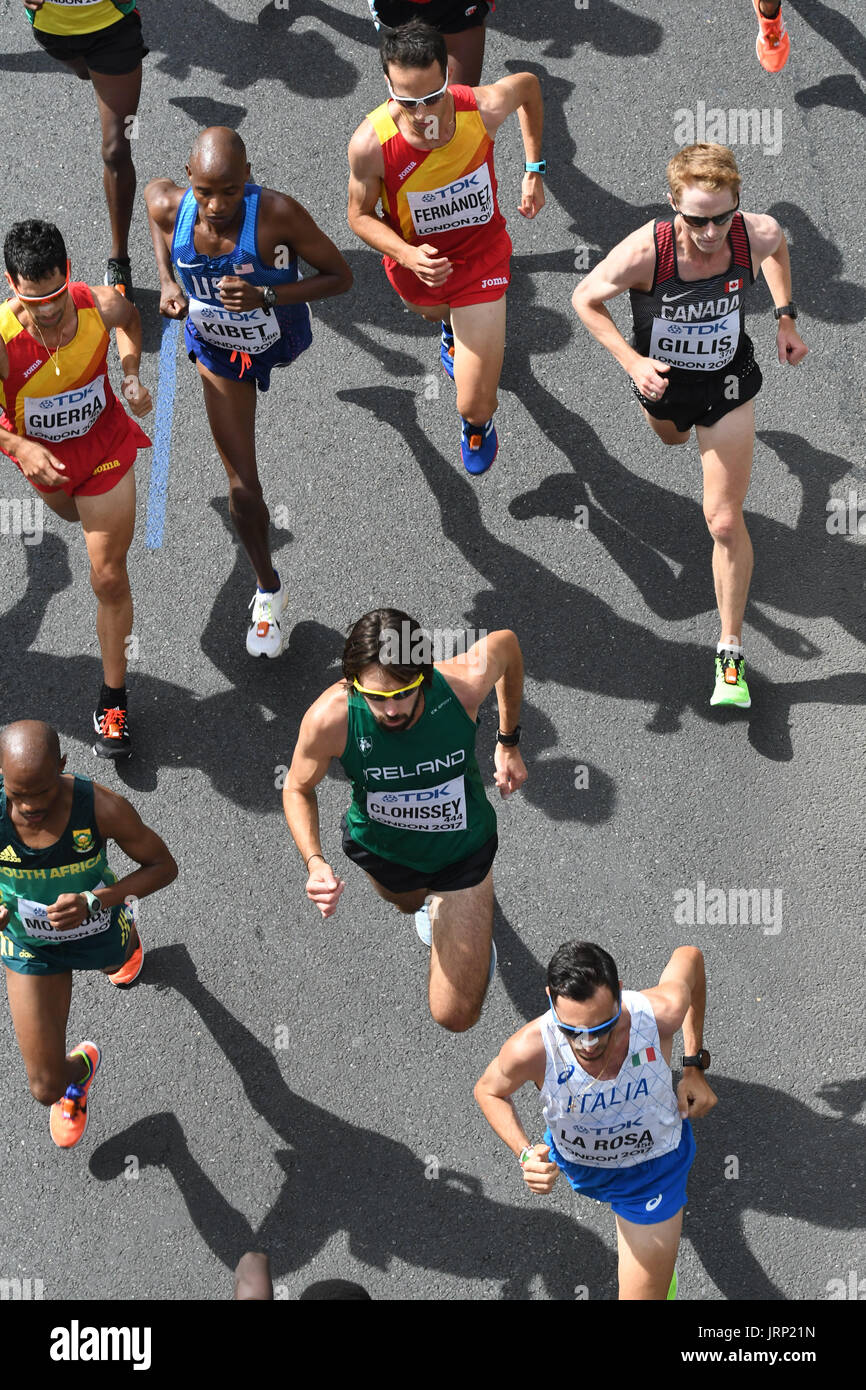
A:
718, 221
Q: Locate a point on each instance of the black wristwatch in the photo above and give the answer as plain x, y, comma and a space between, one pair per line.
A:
270, 296
701, 1060
509, 740
786, 311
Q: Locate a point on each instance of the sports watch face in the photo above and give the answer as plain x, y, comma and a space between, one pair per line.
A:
700, 1059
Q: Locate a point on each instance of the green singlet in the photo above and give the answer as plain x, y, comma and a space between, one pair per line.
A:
418, 798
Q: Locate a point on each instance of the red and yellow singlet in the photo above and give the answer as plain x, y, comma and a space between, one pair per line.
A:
76, 414
446, 198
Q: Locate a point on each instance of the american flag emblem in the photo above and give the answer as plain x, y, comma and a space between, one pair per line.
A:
245, 269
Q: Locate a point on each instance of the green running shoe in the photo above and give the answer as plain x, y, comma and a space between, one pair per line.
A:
672, 1291
731, 688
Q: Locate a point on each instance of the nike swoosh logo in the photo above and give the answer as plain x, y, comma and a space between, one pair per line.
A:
666, 298
192, 265
651, 1206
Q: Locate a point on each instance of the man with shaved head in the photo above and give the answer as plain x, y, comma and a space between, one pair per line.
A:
62, 908
234, 247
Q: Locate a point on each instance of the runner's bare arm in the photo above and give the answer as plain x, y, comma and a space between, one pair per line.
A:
117, 313
321, 738
38, 464
366, 171
679, 1000
630, 265
119, 821
520, 92
285, 226
770, 252
163, 198
521, 1059
494, 660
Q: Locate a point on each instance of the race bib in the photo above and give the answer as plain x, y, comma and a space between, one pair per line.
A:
466, 203
702, 347
34, 920
597, 1148
428, 808
66, 416
246, 330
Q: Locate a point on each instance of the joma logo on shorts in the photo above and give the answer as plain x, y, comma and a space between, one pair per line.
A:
104, 467
499, 280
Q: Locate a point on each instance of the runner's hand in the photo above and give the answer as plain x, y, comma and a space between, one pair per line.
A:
646, 375
237, 294
431, 268
5, 915
510, 772
790, 345
531, 196
324, 888
69, 911
33, 5
172, 301
538, 1174
39, 464
695, 1097
137, 397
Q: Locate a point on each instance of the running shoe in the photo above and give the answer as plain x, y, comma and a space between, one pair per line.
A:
446, 350
478, 446
265, 636
772, 44
672, 1291
68, 1119
112, 729
731, 688
118, 277
131, 969
423, 925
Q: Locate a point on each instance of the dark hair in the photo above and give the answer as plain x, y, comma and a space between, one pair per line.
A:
578, 969
414, 45
32, 250
380, 637
342, 1289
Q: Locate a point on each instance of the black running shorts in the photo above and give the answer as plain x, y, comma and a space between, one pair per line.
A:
398, 878
114, 51
690, 401
448, 16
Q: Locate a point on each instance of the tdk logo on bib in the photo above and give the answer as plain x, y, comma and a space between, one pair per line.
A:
67, 415
466, 203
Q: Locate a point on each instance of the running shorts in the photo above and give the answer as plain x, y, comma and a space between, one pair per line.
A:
646, 1193
88, 474
91, 953
478, 283
448, 16
689, 401
114, 51
296, 337
398, 878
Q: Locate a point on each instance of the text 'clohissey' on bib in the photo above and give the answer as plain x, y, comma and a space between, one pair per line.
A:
699, 346
66, 416
466, 203
34, 920
248, 330
427, 808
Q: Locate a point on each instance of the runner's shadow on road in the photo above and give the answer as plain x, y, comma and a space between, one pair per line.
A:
565, 26
583, 643
781, 1148
833, 27
841, 90
334, 1174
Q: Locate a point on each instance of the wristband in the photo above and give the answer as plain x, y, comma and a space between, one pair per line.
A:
525, 1154
539, 167
94, 906
314, 856
509, 740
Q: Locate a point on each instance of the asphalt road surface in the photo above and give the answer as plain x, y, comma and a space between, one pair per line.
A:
274, 1081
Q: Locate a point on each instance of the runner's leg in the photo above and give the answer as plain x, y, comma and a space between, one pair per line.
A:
39, 1005
647, 1255
117, 99
479, 349
666, 430
60, 503
108, 521
406, 902
466, 55
460, 956
231, 413
726, 454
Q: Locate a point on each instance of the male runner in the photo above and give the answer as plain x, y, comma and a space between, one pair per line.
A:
427, 155
692, 363
235, 246
100, 40
461, 22
772, 45
62, 908
403, 728
66, 430
601, 1057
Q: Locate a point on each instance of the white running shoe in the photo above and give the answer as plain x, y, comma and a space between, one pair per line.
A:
265, 636
423, 925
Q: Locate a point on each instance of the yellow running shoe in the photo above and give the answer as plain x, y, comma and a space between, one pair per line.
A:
731, 688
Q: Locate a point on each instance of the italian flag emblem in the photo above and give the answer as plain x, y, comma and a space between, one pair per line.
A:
639, 1059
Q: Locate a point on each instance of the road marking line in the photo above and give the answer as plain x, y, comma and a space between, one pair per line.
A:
162, 434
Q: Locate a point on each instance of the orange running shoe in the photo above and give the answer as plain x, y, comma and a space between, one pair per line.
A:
772, 44
69, 1115
131, 968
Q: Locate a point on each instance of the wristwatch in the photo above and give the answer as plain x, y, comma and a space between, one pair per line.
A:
93, 904
786, 310
701, 1060
538, 168
269, 296
509, 740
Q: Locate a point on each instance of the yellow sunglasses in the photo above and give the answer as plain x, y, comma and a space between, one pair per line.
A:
387, 694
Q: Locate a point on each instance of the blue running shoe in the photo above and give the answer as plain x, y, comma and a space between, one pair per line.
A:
478, 446
446, 350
